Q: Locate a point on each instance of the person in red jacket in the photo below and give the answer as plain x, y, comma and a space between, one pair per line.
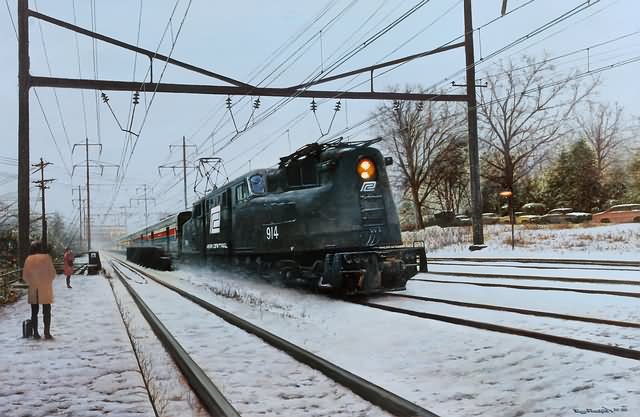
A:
39, 273
68, 265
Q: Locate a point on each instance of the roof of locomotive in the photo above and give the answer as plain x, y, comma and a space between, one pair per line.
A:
314, 149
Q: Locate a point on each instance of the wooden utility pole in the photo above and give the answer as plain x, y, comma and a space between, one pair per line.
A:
23, 131
42, 184
472, 123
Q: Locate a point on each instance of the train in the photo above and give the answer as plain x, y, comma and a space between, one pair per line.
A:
324, 217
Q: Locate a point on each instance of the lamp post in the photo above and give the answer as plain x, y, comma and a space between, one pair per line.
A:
512, 217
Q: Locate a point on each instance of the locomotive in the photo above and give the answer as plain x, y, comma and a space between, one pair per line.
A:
325, 217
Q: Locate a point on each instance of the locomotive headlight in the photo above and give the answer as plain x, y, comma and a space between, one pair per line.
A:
366, 169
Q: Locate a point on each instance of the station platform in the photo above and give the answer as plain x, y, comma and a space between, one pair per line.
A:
88, 369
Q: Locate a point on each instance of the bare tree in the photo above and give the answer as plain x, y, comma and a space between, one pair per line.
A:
453, 188
522, 112
415, 134
602, 130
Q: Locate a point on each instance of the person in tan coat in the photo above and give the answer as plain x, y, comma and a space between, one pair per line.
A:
39, 273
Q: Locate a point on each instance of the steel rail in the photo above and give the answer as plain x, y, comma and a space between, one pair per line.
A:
521, 311
532, 287
602, 262
369, 391
565, 341
538, 278
212, 399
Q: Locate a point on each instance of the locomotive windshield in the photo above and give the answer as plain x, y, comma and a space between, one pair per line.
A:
257, 184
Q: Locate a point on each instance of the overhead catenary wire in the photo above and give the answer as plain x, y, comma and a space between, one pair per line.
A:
82, 96
286, 100
133, 147
55, 91
496, 19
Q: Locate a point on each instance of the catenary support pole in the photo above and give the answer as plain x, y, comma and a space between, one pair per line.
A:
88, 222
184, 170
472, 122
23, 131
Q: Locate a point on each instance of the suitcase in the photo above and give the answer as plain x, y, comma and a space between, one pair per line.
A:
27, 328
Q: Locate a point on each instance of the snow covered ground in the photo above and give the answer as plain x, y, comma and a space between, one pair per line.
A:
87, 370
448, 369
578, 304
619, 241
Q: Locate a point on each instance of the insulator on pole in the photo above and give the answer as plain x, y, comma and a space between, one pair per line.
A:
105, 98
256, 103
337, 106
228, 102
136, 97
314, 106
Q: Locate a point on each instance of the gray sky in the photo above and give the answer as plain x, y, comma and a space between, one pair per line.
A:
243, 40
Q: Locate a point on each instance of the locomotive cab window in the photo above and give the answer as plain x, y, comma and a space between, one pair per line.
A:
242, 192
257, 184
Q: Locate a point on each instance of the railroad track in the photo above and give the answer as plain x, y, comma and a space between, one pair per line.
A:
206, 390
532, 287
573, 262
560, 340
527, 312
538, 278
370, 392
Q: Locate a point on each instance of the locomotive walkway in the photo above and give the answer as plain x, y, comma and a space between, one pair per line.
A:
88, 369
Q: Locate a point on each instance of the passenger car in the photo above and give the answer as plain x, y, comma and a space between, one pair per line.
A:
565, 215
622, 213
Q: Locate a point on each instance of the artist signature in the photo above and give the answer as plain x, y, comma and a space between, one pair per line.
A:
601, 410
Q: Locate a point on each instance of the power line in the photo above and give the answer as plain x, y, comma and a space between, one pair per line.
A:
13, 24
53, 137
55, 92
84, 105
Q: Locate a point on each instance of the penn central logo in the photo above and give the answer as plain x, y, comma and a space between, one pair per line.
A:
368, 186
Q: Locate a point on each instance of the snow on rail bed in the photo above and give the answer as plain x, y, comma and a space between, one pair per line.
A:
448, 369
591, 305
256, 378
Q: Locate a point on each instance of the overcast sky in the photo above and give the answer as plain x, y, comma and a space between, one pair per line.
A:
270, 43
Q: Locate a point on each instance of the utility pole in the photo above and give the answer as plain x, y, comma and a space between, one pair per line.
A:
125, 215
472, 123
80, 207
42, 184
184, 167
86, 144
289, 140
24, 83
146, 199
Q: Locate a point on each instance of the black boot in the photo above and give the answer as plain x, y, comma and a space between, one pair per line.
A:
34, 320
46, 310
